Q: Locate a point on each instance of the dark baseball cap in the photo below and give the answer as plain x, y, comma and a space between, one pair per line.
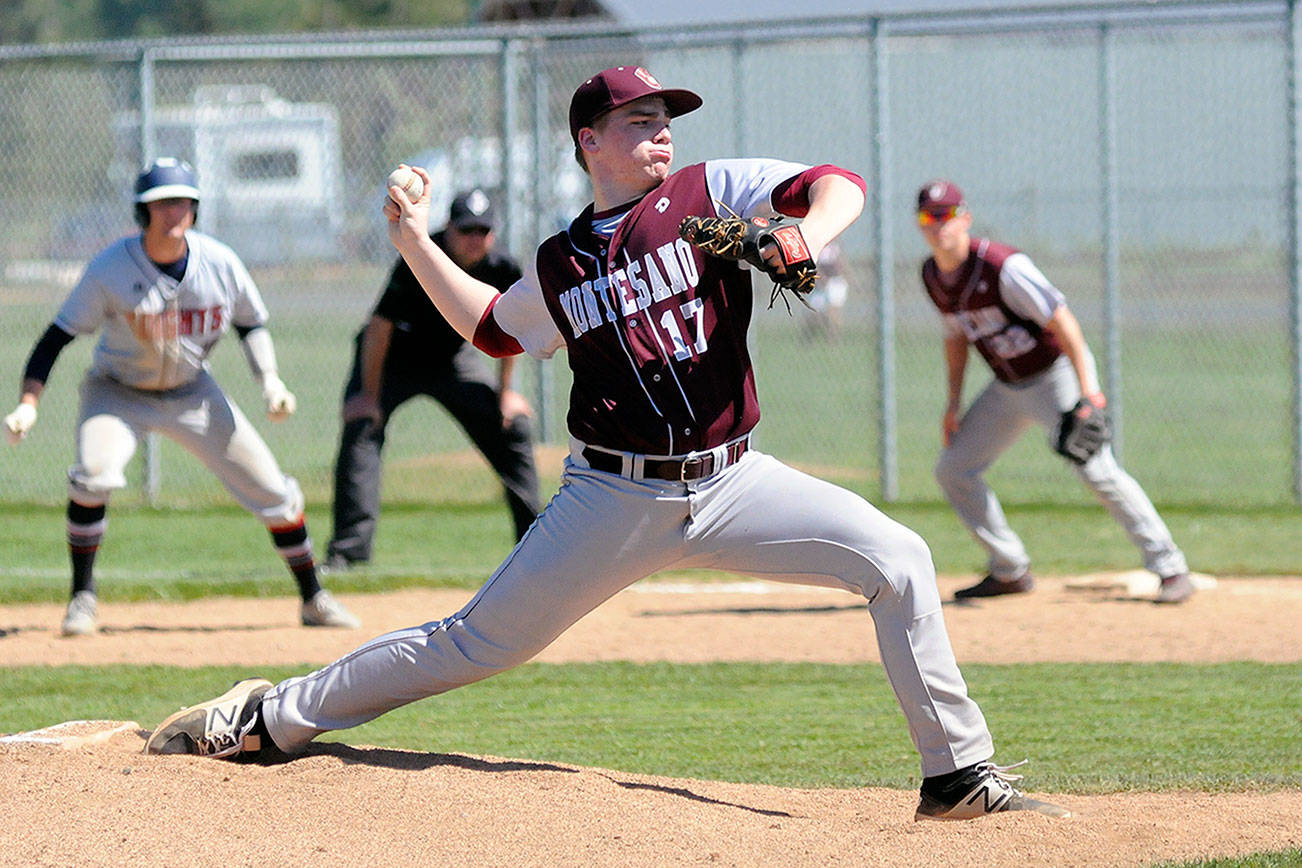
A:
940, 193
471, 208
620, 85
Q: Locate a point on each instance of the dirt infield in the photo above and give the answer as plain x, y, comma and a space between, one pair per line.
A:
88, 797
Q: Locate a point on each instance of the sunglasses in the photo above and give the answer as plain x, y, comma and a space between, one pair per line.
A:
473, 230
932, 216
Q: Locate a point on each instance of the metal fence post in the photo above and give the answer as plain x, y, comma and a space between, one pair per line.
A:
885, 250
509, 122
1111, 252
738, 58
152, 466
539, 225
1295, 235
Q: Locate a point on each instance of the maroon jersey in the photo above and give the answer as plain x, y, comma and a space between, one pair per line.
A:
1014, 346
655, 329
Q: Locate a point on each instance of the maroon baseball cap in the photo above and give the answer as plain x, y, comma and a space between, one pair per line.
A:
617, 86
939, 193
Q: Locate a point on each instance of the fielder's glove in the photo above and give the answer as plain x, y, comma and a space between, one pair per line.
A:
737, 238
19, 422
281, 402
1085, 429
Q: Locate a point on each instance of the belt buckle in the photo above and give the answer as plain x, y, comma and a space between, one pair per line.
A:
693, 462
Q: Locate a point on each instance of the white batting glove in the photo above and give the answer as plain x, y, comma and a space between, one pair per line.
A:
19, 422
281, 402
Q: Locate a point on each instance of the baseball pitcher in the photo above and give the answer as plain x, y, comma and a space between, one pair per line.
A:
662, 472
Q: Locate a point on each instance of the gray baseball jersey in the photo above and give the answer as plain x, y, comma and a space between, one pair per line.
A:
158, 332
157, 335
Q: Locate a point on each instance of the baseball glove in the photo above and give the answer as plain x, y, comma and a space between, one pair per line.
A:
1084, 430
737, 238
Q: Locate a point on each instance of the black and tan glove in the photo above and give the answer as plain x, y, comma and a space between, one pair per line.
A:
1084, 430
738, 238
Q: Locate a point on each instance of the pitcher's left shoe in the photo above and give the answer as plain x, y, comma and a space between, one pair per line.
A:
219, 728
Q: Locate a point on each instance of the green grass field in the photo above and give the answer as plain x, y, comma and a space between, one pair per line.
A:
798, 725
180, 554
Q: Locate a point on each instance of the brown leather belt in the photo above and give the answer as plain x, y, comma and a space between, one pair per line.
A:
672, 469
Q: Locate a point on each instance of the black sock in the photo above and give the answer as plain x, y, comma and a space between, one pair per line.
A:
295, 546
936, 785
267, 752
85, 532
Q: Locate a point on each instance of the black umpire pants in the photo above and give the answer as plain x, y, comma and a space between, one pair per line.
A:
467, 389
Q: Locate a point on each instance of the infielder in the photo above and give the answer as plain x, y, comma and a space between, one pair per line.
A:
993, 297
162, 299
661, 472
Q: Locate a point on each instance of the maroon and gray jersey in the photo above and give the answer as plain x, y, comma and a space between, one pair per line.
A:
655, 329
1001, 303
157, 331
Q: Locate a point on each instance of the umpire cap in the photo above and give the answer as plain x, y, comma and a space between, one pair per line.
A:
167, 178
471, 209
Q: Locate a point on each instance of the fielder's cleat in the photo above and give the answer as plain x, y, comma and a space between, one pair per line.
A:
992, 587
984, 789
336, 563
217, 728
323, 610
1175, 589
80, 619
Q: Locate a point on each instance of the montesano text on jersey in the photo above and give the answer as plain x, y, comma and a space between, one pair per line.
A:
638, 313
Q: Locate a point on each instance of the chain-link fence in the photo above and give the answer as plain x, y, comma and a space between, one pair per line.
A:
1143, 157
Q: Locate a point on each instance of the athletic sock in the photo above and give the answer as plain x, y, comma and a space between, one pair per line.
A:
937, 785
86, 526
295, 546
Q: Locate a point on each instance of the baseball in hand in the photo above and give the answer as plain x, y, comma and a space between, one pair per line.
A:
408, 180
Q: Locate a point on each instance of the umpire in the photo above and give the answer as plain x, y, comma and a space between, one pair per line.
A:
406, 349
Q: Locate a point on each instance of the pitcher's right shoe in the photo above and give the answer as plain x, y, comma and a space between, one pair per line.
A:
217, 728
984, 788
992, 587
81, 618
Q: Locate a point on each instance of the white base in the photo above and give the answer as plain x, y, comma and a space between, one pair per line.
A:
1136, 583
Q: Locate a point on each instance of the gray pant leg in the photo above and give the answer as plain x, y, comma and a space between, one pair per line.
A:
1052, 395
770, 520
988, 428
1130, 507
597, 536
208, 425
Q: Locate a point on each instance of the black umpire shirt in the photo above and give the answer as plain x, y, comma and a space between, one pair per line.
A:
422, 339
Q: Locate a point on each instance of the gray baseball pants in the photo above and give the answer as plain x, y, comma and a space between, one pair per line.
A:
199, 417
602, 532
994, 421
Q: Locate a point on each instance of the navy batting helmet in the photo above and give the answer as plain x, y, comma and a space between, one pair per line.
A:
165, 178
